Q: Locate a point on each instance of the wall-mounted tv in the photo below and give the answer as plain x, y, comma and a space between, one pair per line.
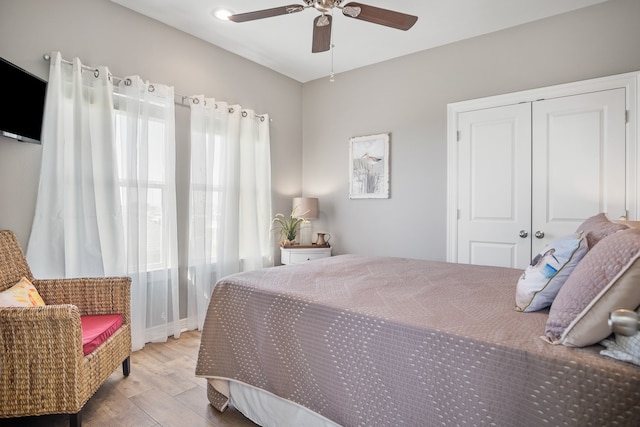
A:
24, 96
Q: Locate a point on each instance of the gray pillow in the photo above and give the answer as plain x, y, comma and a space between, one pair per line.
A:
597, 228
605, 279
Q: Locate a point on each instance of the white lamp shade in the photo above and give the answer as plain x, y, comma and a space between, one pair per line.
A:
305, 207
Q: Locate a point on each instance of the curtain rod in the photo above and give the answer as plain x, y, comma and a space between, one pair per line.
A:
182, 100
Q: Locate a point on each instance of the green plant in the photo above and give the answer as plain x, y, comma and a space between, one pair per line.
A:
287, 226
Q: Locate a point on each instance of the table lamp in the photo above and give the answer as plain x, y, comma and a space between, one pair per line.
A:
306, 208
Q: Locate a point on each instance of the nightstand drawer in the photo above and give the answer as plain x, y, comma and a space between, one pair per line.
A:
298, 257
301, 255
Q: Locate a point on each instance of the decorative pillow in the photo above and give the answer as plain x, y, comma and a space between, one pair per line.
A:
597, 228
606, 279
22, 294
623, 348
541, 281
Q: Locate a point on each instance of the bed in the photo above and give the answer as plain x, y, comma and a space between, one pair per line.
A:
356, 340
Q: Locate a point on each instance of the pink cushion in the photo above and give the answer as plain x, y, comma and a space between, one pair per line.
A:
97, 329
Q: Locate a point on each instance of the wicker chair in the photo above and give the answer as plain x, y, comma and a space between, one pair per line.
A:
42, 366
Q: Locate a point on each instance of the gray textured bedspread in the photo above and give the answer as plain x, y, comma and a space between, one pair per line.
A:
374, 341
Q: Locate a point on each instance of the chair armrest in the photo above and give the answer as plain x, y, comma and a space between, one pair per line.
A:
98, 295
40, 348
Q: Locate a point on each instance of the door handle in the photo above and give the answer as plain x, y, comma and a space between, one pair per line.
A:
539, 234
523, 234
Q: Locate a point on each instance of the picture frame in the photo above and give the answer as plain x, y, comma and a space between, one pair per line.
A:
369, 167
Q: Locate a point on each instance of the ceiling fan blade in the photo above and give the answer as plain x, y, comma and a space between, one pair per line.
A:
377, 15
267, 13
321, 34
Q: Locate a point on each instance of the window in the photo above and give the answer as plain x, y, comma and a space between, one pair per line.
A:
206, 196
148, 180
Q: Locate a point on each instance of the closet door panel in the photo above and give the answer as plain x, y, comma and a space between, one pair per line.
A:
494, 166
578, 154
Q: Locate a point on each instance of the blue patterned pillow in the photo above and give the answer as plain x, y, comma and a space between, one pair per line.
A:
542, 280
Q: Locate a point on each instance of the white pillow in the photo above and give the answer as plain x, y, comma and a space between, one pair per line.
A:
542, 280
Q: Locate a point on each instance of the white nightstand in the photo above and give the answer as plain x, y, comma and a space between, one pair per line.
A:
298, 255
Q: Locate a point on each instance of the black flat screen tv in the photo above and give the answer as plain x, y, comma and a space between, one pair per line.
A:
24, 96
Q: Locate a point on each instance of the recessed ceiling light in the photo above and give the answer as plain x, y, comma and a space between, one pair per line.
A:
222, 14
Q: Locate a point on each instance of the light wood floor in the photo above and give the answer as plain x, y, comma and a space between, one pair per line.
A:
162, 390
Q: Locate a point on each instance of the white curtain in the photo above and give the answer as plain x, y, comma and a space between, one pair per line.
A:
229, 199
145, 135
77, 227
106, 203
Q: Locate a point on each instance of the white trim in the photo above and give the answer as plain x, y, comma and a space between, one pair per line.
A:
628, 81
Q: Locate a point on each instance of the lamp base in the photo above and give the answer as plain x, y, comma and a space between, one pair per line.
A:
304, 233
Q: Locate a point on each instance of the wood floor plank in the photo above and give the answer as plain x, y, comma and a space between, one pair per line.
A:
111, 407
168, 411
131, 385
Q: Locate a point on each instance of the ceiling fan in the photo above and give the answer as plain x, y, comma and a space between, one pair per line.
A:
322, 23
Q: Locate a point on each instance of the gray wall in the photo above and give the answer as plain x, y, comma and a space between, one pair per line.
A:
100, 32
408, 97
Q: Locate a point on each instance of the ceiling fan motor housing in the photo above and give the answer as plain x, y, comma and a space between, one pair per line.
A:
323, 6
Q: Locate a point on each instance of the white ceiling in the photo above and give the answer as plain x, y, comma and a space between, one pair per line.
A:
283, 43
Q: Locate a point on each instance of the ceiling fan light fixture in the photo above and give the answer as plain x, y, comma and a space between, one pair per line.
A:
325, 6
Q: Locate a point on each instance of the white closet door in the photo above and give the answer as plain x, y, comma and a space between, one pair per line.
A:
578, 150
494, 183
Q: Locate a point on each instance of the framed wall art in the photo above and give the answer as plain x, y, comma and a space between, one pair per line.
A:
369, 167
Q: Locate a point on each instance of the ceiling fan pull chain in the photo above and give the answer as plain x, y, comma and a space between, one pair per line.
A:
332, 77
